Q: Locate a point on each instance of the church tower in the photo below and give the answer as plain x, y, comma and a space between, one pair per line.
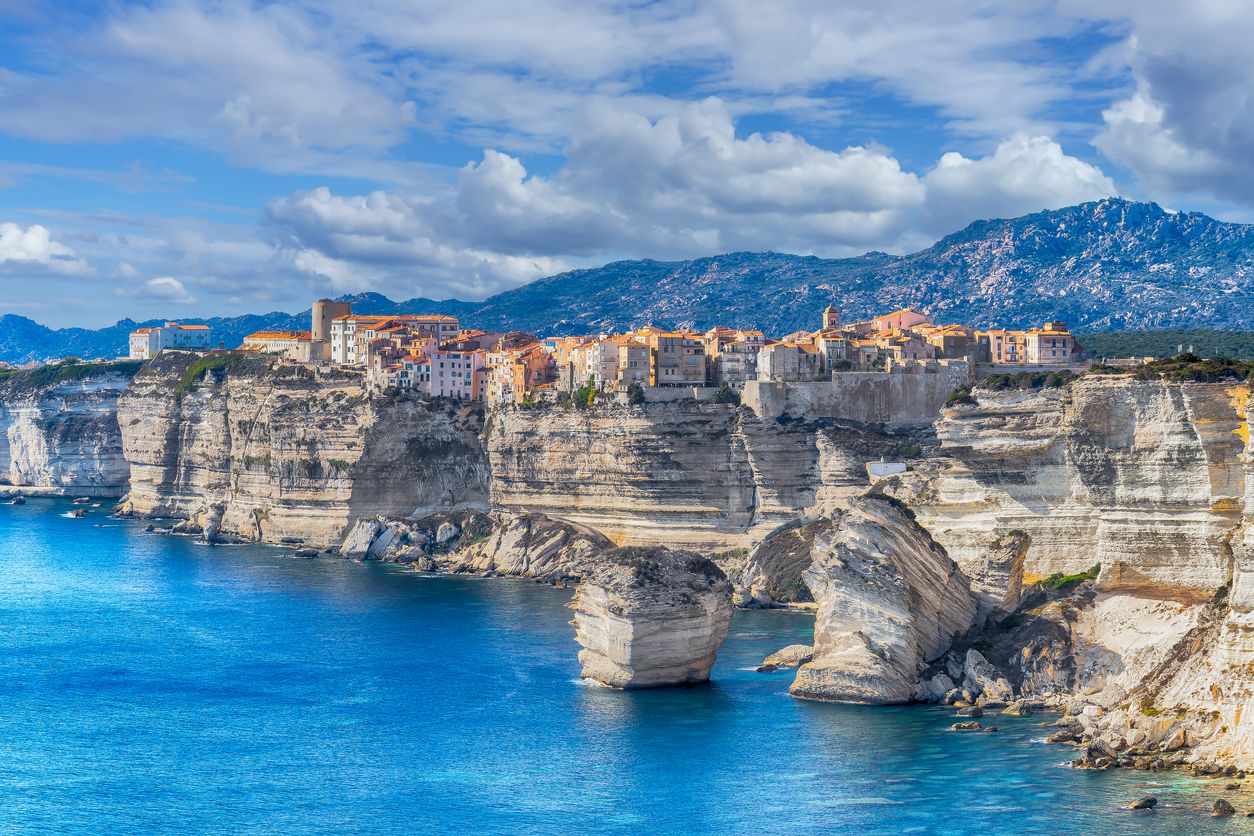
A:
831, 317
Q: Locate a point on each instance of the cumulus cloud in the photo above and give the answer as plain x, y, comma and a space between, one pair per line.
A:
681, 186
1187, 124
1025, 174
164, 289
32, 249
257, 83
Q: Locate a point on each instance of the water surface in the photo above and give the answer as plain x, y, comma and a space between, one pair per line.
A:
150, 684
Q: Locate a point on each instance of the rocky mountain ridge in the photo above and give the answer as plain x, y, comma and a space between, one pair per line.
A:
1105, 265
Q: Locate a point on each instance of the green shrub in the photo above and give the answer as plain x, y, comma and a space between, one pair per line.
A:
727, 395
1058, 580
635, 393
218, 364
961, 397
1027, 380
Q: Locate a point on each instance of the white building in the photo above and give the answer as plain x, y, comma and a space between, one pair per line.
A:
146, 343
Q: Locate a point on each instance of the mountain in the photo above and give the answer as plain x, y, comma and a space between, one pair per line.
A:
1106, 265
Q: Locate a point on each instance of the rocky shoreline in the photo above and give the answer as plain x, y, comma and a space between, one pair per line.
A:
1088, 548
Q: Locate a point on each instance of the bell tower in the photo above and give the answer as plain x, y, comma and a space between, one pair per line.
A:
831, 317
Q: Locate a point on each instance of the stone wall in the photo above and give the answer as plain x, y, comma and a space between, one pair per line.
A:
912, 394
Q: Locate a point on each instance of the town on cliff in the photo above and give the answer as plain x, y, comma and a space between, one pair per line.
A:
434, 355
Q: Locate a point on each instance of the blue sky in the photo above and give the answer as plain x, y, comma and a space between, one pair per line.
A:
203, 158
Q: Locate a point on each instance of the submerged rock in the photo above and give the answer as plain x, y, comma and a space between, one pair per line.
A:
889, 601
649, 617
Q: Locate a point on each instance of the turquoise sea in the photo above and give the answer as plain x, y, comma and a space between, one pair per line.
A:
149, 684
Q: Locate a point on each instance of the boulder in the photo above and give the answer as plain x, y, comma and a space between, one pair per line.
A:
1149, 802
982, 677
446, 532
967, 725
791, 656
889, 601
360, 537
1222, 808
936, 688
971, 711
651, 617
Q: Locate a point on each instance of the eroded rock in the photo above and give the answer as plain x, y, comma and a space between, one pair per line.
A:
648, 618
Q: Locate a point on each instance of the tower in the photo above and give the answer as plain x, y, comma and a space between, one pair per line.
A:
831, 317
325, 310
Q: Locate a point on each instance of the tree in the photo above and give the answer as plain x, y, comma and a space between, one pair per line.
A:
635, 393
726, 394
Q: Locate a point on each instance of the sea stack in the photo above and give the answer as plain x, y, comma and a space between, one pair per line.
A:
890, 600
651, 617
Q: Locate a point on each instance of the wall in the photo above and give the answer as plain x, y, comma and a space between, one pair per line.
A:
913, 394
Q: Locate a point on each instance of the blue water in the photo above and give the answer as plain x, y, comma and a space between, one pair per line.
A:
150, 684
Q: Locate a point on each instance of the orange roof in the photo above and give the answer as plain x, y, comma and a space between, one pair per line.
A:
280, 335
143, 330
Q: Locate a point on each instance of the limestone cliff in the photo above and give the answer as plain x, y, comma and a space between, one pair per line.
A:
685, 474
889, 602
272, 452
1152, 480
651, 617
60, 432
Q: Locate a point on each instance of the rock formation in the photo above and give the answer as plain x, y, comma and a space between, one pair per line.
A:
684, 474
525, 546
64, 435
1150, 479
889, 601
649, 617
290, 452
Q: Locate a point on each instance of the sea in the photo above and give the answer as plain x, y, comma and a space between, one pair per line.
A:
152, 684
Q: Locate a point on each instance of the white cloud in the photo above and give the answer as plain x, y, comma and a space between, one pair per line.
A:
32, 249
681, 186
165, 289
1025, 174
1186, 126
260, 84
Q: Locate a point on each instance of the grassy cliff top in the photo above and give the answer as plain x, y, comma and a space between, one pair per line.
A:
65, 371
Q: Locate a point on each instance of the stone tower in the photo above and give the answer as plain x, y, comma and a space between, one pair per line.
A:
831, 317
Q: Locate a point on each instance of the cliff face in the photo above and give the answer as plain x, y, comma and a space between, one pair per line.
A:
1145, 477
685, 474
267, 451
1151, 480
64, 435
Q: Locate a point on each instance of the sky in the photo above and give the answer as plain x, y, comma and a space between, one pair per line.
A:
185, 159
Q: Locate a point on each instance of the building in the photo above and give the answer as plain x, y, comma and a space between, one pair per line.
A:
351, 333
145, 343
794, 362
633, 362
294, 345
1051, 343
831, 318
1005, 347
900, 320
677, 359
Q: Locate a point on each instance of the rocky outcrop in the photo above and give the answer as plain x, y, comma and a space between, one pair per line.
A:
1150, 479
525, 546
683, 473
648, 618
63, 434
890, 601
289, 452
1144, 477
